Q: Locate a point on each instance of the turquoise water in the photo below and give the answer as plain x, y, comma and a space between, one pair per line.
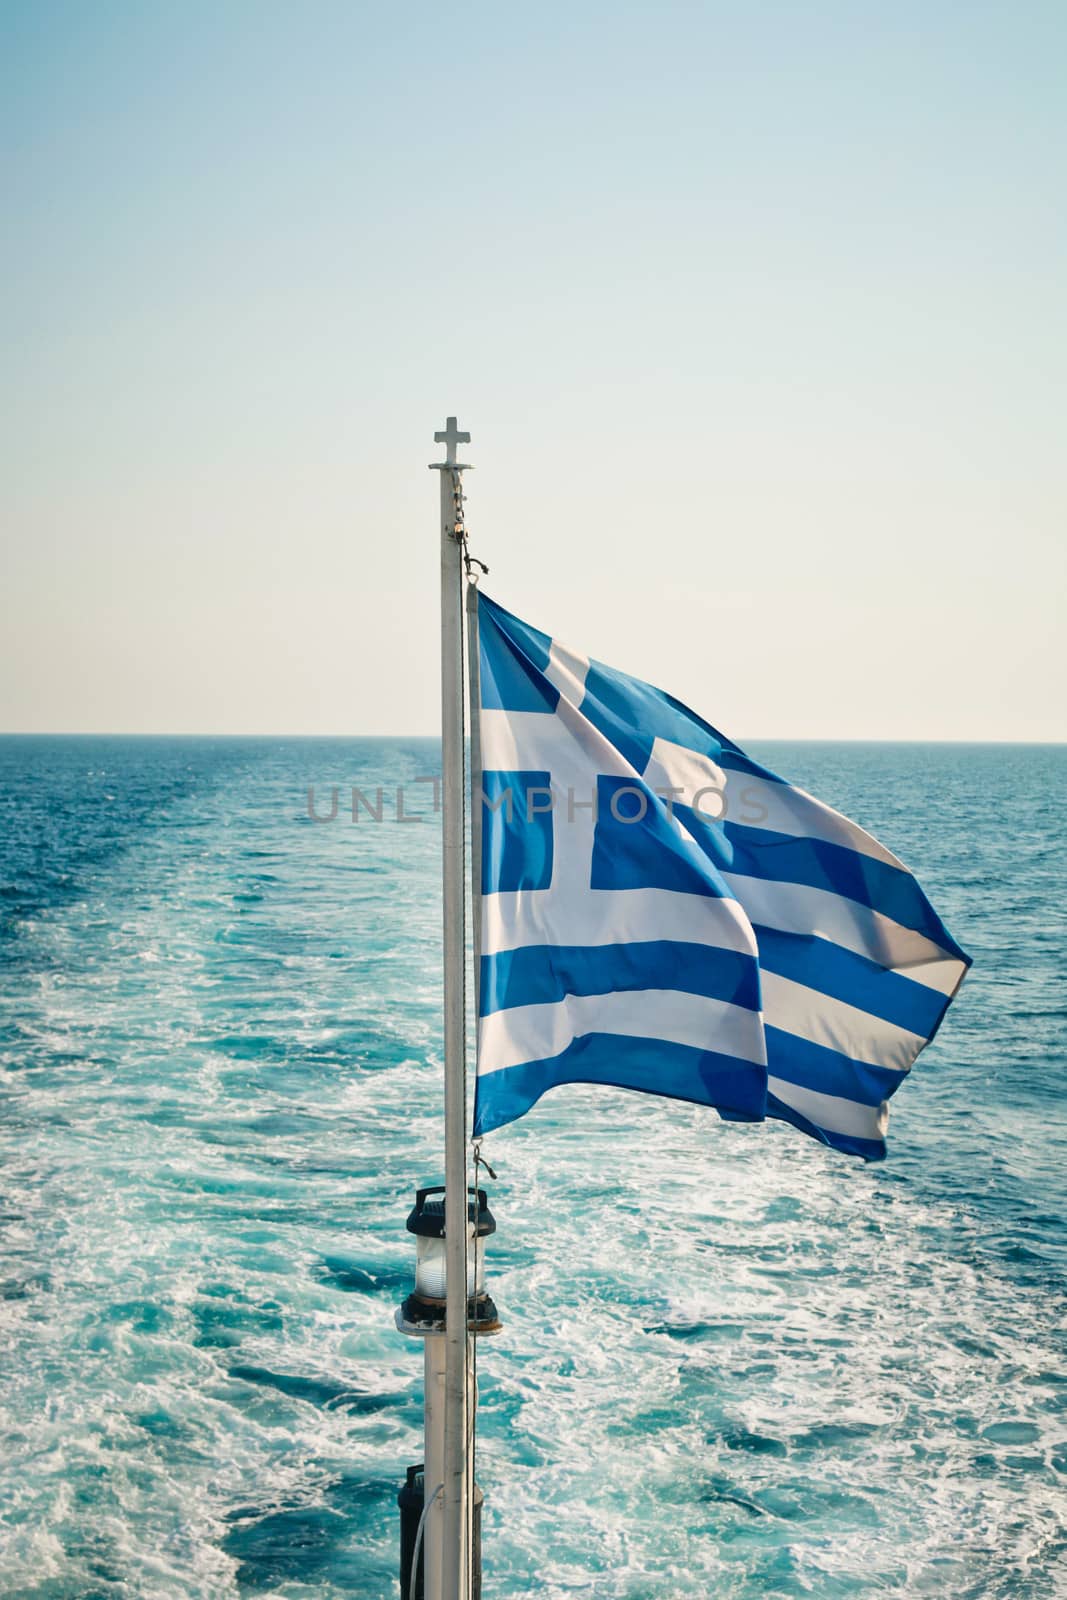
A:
734, 1364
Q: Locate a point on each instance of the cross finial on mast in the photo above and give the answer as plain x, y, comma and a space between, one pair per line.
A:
450, 438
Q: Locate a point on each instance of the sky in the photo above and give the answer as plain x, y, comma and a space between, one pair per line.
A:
755, 314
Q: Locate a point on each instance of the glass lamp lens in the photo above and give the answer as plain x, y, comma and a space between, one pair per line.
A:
430, 1267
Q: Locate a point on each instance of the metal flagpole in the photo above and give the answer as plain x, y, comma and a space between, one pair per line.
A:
452, 1528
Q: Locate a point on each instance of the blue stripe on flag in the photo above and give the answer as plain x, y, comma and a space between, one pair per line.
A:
642, 849
735, 760
604, 704
516, 831
652, 1066
534, 644
869, 1149
843, 975
543, 974
816, 1066
619, 705
819, 864
512, 658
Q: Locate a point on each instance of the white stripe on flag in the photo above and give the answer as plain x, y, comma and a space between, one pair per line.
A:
831, 1112
673, 767
798, 908
833, 1023
567, 671
799, 814
530, 741
612, 916
539, 1032
752, 802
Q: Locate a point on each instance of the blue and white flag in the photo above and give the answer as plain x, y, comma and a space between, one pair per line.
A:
662, 913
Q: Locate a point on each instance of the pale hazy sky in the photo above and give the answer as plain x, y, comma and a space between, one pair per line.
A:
755, 313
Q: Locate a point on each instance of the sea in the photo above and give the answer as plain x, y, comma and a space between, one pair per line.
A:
734, 1364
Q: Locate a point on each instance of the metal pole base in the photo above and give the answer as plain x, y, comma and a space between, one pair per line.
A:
411, 1500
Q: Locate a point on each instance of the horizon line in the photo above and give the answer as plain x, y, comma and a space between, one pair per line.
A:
760, 738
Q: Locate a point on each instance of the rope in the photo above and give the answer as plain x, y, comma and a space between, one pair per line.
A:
480, 1161
426, 1504
459, 528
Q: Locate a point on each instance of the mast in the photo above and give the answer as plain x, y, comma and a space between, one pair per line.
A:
454, 1568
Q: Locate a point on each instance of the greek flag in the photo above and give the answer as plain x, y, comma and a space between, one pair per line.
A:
662, 913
